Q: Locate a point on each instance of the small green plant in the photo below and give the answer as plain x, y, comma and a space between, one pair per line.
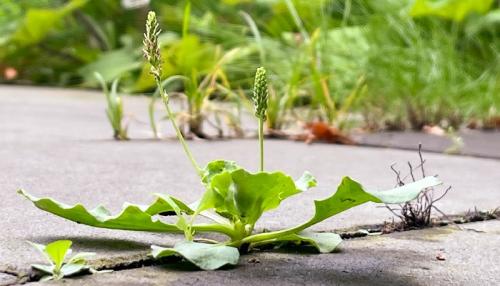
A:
234, 199
56, 253
114, 109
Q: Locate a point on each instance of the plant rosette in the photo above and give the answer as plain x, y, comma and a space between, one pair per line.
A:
234, 198
55, 253
233, 202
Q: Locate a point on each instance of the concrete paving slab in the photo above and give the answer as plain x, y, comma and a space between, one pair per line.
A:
468, 257
475, 143
56, 143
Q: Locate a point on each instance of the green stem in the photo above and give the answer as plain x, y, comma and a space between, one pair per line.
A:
261, 143
220, 228
272, 235
164, 96
151, 111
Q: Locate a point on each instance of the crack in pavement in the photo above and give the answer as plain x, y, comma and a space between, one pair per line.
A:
145, 260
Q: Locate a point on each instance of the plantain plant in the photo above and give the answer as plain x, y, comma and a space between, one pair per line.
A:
234, 198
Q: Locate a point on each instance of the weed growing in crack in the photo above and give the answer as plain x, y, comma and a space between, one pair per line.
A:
478, 215
417, 213
56, 253
114, 110
233, 201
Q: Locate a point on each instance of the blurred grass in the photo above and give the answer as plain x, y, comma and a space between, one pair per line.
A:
381, 64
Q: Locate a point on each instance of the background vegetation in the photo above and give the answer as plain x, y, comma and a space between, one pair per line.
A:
371, 63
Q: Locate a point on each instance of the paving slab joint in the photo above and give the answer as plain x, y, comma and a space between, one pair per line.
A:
19, 277
145, 260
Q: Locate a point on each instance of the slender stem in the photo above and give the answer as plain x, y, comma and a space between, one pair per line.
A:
261, 143
164, 96
151, 111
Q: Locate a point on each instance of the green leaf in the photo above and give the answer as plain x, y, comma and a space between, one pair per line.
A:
48, 278
450, 9
350, 194
80, 258
57, 251
240, 195
324, 242
407, 192
38, 23
216, 167
73, 268
205, 256
165, 203
132, 217
112, 64
49, 269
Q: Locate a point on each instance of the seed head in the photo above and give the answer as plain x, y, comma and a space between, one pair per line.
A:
260, 93
151, 46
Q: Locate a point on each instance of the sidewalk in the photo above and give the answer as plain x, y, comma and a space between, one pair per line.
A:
57, 143
409, 258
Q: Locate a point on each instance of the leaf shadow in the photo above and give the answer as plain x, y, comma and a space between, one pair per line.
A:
182, 265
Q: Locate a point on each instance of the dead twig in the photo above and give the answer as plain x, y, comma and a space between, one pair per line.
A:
417, 213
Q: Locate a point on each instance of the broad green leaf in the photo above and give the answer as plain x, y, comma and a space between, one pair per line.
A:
37, 23
324, 242
48, 278
350, 194
49, 269
407, 192
73, 268
132, 217
205, 256
216, 167
80, 257
58, 250
112, 64
450, 9
161, 205
240, 195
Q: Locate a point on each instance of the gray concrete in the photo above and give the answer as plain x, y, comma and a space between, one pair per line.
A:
57, 143
476, 143
409, 258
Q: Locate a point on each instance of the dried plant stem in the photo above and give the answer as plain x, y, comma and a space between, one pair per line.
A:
416, 213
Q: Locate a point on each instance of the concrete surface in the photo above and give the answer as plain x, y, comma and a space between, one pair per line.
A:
409, 258
477, 143
56, 143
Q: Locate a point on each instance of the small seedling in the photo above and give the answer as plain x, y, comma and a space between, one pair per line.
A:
234, 199
114, 109
55, 253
